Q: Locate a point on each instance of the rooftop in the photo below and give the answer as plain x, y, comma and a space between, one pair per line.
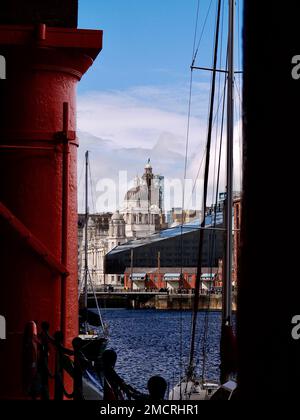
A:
169, 233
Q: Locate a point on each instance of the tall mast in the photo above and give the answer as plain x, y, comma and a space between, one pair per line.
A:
205, 192
86, 268
227, 281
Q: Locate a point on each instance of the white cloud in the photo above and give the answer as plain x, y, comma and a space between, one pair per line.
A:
123, 128
137, 116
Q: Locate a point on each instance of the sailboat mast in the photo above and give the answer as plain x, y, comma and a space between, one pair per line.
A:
227, 281
86, 232
205, 193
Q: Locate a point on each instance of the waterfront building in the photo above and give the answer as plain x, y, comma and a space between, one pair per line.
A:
174, 247
142, 214
105, 232
143, 208
176, 216
169, 278
179, 246
133, 237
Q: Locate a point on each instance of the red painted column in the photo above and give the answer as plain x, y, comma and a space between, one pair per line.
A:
38, 185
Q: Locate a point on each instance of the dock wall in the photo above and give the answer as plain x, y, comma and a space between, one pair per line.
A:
159, 302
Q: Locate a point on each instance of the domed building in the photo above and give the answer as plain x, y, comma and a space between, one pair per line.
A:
141, 215
105, 232
143, 205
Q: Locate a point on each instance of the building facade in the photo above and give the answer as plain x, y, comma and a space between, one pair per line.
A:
142, 214
179, 247
169, 278
143, 208
105, 232
136, 237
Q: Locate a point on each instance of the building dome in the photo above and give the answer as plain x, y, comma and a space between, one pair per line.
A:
139, 193
132, 193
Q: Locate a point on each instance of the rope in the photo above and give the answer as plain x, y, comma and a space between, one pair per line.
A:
79, 183
212, 234
183, 221
238, 88
203, 156
213, 238
219, 99
206, 175
80, 286
240, 138
97, 305
196, 29
181, 283
92, 185
201, 35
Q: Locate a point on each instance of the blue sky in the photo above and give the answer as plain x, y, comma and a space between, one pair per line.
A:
145, 42
132, 104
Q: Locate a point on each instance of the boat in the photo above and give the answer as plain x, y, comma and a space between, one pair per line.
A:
93, 331
192, 387
92, 388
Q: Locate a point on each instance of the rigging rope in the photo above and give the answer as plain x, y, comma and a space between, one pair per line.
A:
239, 139
212, 237
207, 165
219, 99
181, 283
201, 35
80, 287
92, 185
216, 182
196, 29
238, 87
81, 204
203, 156
97, 305
81, 174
